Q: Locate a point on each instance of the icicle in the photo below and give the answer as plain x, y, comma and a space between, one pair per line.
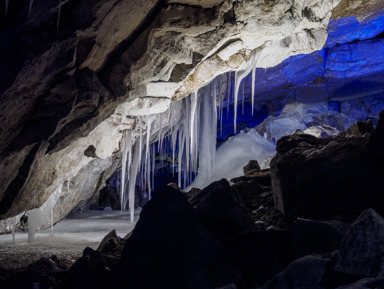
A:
242, 104
147, 156
239, 76
14, 230
153, 167
253, 87
52, 221
235, 102
132, 179
125, 167
229, 92
58, 16
192, 124
30, 7
180, 157
6, 6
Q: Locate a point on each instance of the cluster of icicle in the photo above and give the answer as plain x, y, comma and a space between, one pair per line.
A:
190, 131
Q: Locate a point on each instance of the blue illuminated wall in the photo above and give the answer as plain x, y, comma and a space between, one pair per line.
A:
349, 67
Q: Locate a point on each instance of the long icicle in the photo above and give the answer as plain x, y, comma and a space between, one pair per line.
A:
6, 6
253, 88
30, 7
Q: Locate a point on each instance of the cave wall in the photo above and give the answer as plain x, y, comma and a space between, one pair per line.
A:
77, 73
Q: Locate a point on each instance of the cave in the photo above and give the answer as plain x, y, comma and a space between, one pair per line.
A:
192, 144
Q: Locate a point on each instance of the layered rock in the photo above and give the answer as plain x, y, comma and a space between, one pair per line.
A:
333, 178
81, 85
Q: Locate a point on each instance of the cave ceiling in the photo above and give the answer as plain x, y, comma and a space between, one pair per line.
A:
76, 74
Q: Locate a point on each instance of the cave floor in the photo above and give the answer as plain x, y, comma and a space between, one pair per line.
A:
69, 238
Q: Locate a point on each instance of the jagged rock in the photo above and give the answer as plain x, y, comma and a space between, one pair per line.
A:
221, 210
46, 272
260, 255
168, 245
108, 197
306, 272
92, 270
366, 283
358, 129
317, 237
251, 168
255, 191
361, 252
375, 144
324, 179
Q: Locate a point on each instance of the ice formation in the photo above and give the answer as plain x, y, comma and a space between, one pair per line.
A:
190, 138
235, 153
37, 216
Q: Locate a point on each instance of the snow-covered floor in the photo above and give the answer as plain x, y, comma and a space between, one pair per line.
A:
69, 238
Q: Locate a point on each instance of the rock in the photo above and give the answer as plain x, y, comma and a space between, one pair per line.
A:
358, 129
220, 209
255, 191
375, 144
260, 255
110, 244
324, 179
71, 90
251, 168
92, 270
47, 272
108, 197
317, 237
362, 249
306, 272
168, 245
366, 283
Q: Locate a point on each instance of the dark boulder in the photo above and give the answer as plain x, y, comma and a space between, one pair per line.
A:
366, 283
92, 270
45, 273
260, 255
324, 179
375, 144
358, 129
362, 249
220, 208
251, 168
317, 237
109, 198
306, 272
169, 249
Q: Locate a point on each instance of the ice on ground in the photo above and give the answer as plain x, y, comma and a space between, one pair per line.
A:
235, 153
70, 237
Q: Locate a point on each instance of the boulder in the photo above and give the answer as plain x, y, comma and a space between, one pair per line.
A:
260, 255
169, 249
358, 129
375, 144
306, 272
324, 179
92, 270
46, 272
220, 208
317, 237
366, 283
362, 249
251, 168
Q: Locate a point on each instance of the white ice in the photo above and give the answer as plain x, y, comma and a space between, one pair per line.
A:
70, 237
235, 153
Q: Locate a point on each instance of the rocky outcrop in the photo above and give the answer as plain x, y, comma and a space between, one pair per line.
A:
361, 252
333, 178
